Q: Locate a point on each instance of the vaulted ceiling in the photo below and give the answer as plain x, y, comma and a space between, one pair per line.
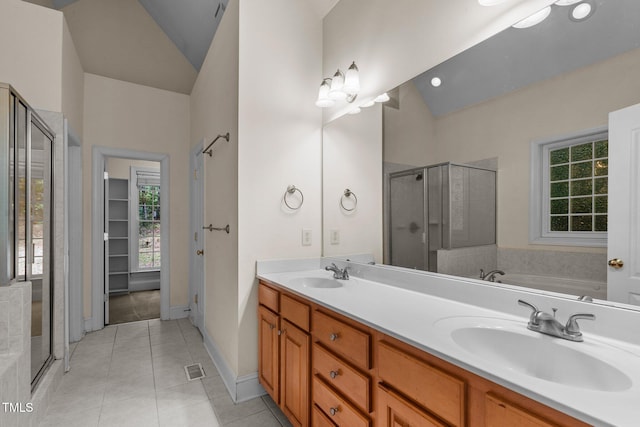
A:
158, 43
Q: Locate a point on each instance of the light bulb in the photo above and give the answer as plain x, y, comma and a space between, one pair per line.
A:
436, 82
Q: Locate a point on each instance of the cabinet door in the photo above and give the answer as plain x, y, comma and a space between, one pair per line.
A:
294, 374
268, 341
499, 413
395, 411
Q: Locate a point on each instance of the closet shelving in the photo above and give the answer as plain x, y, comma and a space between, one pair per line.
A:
118, 215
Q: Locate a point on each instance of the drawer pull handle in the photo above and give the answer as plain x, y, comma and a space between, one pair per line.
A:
334, 374
272, 326
334, 411
333, 337
281, 331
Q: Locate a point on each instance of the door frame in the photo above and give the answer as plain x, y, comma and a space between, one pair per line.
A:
196, 221
99, 155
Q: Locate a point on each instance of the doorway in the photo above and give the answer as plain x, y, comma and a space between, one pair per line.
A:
121, 269
132, 248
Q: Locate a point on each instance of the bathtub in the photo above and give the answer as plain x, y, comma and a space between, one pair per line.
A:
557, 284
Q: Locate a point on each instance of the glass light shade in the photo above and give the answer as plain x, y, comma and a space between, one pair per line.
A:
490, 2
368, 104
352, 80
382, 98
323, 100
581, 11
567, 2
337, 85
534, 19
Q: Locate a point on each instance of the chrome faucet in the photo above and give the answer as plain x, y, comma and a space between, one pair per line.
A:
546, 323
490, 276
338, 273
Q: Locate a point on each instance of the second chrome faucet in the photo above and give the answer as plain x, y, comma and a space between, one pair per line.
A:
546, 323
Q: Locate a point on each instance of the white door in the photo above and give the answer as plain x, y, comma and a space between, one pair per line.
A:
623, 278
196, 256
106, 248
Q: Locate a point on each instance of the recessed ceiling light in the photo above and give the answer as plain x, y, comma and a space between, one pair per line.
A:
436, 82
490, 2
567, 2
581, 11
534, 19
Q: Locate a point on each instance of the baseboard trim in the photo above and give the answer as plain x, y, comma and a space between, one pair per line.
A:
179, 311
241, 388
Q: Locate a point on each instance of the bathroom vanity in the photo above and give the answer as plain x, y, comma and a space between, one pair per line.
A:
390, 347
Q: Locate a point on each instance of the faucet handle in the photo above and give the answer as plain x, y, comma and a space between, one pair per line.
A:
534, 311
572, 327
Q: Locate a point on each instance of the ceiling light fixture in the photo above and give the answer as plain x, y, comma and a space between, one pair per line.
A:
339, 87
436, 82
582, 11
534, 19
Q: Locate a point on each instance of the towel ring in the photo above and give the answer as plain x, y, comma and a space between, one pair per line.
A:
347, 194
290, 190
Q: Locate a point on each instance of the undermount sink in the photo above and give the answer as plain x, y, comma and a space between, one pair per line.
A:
317, 282
511, 346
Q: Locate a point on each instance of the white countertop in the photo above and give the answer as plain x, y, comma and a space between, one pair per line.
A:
410, 313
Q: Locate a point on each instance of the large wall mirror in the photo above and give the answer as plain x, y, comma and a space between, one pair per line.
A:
552, 85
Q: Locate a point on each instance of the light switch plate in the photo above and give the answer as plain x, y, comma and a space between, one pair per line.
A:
306, 237
334, 237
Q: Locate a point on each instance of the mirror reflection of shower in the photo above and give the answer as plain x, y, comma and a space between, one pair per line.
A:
438, 208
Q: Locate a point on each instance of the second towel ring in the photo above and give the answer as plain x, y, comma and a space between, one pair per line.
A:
290, 190
347, 194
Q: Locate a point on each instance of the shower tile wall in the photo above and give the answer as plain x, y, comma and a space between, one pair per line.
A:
575, 265
467, 262
15, 347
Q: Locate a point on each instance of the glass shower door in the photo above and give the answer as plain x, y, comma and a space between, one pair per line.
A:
407, 232
39, 235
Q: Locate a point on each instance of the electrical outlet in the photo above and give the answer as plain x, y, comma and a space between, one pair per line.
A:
306, 237
334, 237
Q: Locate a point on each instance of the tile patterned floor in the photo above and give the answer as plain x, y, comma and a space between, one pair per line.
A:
132, 374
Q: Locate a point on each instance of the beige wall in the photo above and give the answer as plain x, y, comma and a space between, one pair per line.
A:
72, 102
279, 144
352, 145
121, 168
504, 127
31, 38
409, 130
392, 44
214, 111
129, 116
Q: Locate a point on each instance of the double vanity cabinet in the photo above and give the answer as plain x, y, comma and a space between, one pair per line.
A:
325, 369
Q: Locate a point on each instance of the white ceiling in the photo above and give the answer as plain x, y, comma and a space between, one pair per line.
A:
519, 57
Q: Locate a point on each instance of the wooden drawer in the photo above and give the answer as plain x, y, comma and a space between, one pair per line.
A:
342, 376
500, 413
268, 297
394, 410
437, 391
319, 419
345, 340
295, 311
337, 409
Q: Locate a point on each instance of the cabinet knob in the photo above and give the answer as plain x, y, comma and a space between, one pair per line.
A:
272, 326
334, 374
616, 263
333, 411
281, 331
200, 252
333, 337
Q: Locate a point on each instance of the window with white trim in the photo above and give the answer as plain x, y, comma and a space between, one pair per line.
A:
145, 221
569, 197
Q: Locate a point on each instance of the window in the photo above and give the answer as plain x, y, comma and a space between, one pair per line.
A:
569, 190
146, 221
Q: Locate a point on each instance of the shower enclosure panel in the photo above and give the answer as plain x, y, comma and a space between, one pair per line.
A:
444, 206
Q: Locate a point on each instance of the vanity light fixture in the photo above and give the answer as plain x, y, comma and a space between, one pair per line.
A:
339, 87
534, 19
382, 98
436, 82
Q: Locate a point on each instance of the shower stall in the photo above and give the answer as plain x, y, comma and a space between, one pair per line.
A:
444, 206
